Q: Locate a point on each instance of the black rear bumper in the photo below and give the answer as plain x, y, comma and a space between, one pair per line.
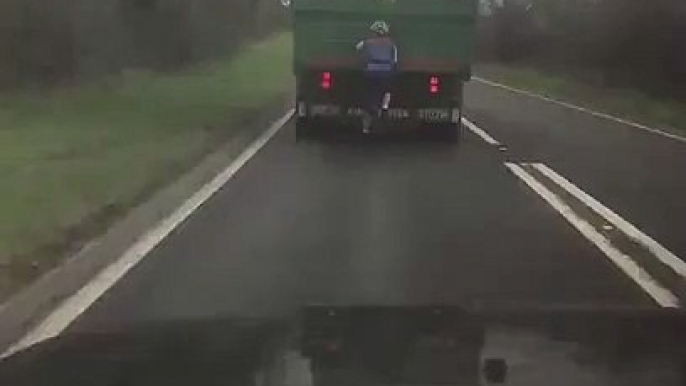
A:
394, 118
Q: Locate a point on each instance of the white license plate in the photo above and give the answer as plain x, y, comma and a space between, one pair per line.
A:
437, 115
325, 110
429, 114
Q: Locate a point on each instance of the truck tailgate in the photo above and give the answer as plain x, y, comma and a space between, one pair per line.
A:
433, 35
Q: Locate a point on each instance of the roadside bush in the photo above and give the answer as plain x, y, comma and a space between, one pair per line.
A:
47, 42
634, 43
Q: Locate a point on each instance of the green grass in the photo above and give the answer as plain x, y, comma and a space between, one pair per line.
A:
669, 115
70, 155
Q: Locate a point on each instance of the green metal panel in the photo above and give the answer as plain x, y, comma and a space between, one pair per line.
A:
432, 33
389, 6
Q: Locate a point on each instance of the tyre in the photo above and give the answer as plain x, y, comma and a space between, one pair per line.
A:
449, 132
304, 129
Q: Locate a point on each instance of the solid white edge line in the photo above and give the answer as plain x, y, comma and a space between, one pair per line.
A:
661, 295
661, 253
582, 109
70, 309
480, 132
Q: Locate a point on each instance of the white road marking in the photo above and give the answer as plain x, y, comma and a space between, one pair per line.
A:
661, 295
583, 109
661, 253
77, 304
480, 132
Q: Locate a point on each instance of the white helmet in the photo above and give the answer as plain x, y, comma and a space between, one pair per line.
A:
380, 27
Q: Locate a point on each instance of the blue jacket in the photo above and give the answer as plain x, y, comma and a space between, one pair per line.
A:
380, 55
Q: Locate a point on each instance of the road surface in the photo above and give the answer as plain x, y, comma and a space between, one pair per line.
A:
407, 223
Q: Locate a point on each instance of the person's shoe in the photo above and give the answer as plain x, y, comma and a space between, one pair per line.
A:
366, 123
386, 101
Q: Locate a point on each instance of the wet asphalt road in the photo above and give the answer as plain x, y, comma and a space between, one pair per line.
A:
411, 222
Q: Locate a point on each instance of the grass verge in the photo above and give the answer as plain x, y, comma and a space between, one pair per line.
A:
76, 158
665, 114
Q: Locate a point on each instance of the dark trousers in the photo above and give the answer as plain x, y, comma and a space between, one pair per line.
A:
377, 85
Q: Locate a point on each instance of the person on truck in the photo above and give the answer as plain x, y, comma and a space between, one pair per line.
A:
380, 57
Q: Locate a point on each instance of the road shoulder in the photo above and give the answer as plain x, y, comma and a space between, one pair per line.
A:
631, 108
30, 305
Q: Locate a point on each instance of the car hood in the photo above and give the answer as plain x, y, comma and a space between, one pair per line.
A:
576, 345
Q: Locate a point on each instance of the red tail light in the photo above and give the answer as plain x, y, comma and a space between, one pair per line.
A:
434, 85
332, 347
325, 81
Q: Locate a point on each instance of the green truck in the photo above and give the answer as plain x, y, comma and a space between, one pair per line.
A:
435, 40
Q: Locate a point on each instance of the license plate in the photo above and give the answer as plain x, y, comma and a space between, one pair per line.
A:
325, 110
437, 115
427, 114
436, 342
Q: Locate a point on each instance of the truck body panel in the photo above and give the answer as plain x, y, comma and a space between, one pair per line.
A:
433, 35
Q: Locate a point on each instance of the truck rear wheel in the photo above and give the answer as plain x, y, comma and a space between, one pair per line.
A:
447, 132
452, 132
304, 129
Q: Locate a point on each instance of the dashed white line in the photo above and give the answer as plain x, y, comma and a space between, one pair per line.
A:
660, 252
480, 132
582, 109
72, 307
660, 294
